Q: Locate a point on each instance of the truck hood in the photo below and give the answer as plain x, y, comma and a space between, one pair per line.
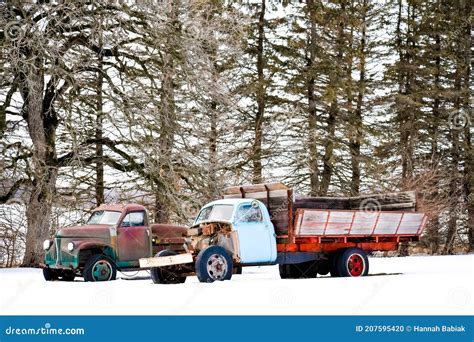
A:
168, 230
88, 230
195, 225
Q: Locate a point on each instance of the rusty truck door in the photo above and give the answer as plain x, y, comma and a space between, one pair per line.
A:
133, 239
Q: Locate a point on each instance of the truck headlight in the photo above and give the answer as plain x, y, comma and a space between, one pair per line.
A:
70, 246
46, 244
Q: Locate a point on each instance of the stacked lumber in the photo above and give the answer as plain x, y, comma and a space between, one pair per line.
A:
397, 201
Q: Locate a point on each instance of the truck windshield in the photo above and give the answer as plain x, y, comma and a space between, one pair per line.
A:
218, 212
104, 217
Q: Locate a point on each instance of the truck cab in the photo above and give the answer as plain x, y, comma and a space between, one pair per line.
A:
114, 238
250, 221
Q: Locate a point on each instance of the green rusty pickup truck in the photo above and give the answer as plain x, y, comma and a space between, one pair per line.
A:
114, 238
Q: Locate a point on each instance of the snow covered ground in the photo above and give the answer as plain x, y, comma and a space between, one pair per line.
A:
430, 285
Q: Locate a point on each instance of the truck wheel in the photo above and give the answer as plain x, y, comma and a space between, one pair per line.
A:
100, 267
297, 271
304, 270
286, 271
324, 267
307, 269
67, 276
237, 270
353, 262
213, 263
49, 274
167, 274
334, 262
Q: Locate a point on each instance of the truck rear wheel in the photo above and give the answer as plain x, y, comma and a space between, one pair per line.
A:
334, 262
67, 276
286, 271
213, 263
302, 270
99, 267
49, 274
166, 274
324, 267
353, 262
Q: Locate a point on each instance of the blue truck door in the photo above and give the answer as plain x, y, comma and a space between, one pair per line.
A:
256, 233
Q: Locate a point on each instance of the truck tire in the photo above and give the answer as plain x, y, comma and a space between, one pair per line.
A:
237, 270
324, 267
353, 262
286, 271
213, 263
167, 274
334, 262
67, 276
297, 271
308, 269
49, 274
99, 267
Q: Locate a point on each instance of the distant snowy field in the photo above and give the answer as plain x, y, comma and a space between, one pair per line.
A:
428, 285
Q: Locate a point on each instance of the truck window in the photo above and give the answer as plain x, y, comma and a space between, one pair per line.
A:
134, 219
218, 212
204, 214
104, 217
248, 213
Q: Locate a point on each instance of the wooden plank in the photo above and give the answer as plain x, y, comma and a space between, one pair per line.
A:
407, 198
322, 203
391, 201
166, 260
254, 188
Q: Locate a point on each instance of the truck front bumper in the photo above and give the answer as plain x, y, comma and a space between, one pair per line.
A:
166, 260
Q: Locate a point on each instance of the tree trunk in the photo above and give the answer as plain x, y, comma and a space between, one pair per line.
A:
433, 235
407, 122
213, 190
357, 128
454, 174
99, 149
312, 122
469, 185
167, 121
42, 123
468, 149
328, 158
257, 146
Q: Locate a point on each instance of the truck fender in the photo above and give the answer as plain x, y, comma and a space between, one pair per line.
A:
87, 248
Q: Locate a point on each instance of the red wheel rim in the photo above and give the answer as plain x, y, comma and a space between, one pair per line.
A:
356, 265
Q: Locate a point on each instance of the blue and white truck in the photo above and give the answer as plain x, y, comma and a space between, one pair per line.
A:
264, 224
